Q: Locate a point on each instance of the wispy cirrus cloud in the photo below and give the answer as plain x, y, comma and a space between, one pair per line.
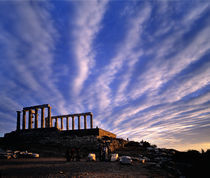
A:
144, 74
161, 71
125, 55
169, 64
28, 55
86, 26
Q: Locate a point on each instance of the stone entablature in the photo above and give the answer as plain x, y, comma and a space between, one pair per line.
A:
47, 122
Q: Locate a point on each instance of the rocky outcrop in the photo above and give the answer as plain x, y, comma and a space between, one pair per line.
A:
55, 142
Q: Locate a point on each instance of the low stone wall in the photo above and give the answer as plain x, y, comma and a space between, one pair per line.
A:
103, 133
88, 132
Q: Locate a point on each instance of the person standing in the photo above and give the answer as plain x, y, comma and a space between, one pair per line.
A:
100, 152
106, 153
72, 154
67, 155
78, 154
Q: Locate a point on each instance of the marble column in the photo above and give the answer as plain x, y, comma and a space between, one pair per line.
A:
36, 118
61, 123
46, 122
56, 122
72, 122
49, 117
78, 122
24, 120
42, 118
67, 123
30, 119
18, 120
85, 121
91, 121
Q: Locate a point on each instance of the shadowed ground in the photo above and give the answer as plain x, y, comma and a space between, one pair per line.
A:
58, 167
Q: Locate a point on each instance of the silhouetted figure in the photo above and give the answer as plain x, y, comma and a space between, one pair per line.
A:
109, 153
67, 155
105, 153
72, 154
78, 154
100, 148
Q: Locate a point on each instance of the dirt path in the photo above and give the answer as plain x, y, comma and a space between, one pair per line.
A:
58, 167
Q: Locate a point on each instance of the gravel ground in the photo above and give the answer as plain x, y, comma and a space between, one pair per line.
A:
58, 167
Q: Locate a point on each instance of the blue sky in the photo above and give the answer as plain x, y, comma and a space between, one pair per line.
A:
141, 67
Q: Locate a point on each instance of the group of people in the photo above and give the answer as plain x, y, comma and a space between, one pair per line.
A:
72, 154
104, 152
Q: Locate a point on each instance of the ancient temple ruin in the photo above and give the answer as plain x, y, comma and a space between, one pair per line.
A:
50, 121
37, 130
35, 117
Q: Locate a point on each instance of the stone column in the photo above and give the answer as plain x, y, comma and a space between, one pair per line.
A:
79, 122
85, 121
56, 122
42, 118
72, 122
18, 120
36, 118
91, 120
61, 123
24, 120
49, 117
67, 123
46, 122
30, 119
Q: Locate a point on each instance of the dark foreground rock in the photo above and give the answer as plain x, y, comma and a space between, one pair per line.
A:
147, 159
58, 167
53, 142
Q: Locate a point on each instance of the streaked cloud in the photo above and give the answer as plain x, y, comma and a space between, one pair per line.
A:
141, 67
87, 23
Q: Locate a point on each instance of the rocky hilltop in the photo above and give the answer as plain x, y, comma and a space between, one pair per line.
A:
52, 142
